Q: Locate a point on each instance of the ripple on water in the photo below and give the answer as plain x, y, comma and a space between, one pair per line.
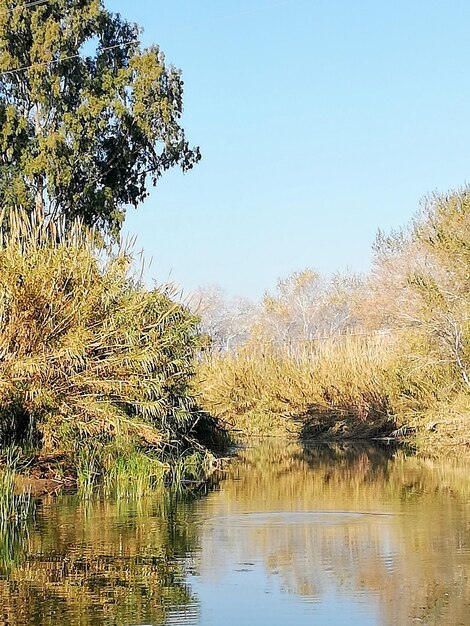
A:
295, 518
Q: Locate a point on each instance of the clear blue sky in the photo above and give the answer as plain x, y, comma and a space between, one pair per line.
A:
319, 122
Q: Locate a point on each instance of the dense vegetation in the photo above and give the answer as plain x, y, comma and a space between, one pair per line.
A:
95, 368
97, 371
388, 353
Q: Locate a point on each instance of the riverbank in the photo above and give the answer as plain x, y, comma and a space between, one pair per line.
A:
124, 383
95, 367
348, 388
356, 357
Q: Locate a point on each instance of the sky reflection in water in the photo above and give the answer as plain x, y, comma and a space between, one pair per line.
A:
290, 535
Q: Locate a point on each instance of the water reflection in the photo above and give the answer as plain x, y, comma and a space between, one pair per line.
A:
343, 529
103, 562
291, 534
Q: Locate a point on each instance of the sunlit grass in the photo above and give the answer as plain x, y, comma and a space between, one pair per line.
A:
345, 386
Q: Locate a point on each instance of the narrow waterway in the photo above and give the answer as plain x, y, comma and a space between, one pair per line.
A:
290, 534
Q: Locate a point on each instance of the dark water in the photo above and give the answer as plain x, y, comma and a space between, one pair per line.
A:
289, 535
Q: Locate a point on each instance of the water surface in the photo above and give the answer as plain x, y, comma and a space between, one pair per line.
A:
291, 534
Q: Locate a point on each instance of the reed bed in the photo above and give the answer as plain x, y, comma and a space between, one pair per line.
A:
93, 365
387, 353
348, 386
15, 508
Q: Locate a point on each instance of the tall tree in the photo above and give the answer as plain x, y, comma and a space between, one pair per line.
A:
86, 114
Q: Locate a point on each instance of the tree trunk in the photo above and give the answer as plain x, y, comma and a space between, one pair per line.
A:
39, 200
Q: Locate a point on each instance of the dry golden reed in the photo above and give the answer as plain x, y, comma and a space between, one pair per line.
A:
88, 355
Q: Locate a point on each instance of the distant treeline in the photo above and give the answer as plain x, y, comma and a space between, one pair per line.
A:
381, 354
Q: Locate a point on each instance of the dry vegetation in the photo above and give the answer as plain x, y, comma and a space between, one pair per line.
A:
385, 354
94, 367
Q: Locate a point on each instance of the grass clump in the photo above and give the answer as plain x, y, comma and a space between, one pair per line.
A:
94, 365
339, 388
342, 387
15, 508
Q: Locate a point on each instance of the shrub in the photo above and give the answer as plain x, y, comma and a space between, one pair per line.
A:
87, 353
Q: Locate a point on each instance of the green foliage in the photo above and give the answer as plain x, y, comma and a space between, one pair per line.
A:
119, 467
86, 114
16, 511
89, 356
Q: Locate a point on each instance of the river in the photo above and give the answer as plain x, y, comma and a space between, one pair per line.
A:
289, 534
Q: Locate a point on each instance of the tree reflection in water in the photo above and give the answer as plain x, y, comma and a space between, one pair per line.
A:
103, 562
375, 523
380, 526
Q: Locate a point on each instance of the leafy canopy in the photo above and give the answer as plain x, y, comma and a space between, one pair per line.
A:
86, 114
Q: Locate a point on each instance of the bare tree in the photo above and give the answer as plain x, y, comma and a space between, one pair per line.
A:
306, 306
227, 321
